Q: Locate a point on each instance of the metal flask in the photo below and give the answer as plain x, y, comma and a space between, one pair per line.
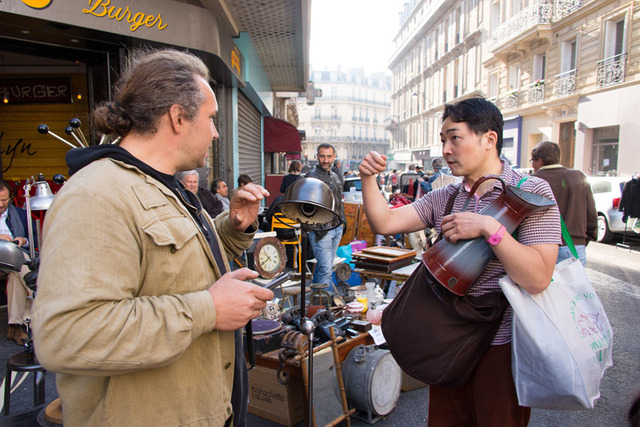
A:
457, 265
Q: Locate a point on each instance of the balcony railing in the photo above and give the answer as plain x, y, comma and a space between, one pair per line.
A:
331, 118
566, 7
540, 12
512, 99
565, 84
610, 71
536, 92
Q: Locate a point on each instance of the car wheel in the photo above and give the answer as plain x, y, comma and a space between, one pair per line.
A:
604, 234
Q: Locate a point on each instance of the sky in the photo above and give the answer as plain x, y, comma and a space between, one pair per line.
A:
353, 34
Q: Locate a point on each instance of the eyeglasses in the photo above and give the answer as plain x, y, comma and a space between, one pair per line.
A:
532, 160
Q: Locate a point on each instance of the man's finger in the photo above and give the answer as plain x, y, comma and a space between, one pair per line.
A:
256, 190
263, 294
244, 274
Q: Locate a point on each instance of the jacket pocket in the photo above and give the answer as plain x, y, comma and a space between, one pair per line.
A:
175, 232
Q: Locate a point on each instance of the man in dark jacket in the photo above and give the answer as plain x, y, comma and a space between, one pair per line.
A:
573, 194
190, 180
325, 243
13, 228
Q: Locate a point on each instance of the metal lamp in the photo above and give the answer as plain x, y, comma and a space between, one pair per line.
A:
310, 203
40, 202
11, 257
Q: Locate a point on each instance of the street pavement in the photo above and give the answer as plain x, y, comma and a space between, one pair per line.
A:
615, 274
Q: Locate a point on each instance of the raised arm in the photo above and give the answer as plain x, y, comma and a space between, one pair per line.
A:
382, 219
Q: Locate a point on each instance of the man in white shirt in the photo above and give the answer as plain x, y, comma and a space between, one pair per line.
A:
221, 190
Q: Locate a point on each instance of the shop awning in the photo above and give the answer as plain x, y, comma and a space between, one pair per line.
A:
280, 136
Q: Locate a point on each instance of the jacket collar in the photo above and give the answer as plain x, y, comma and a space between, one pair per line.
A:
556, 166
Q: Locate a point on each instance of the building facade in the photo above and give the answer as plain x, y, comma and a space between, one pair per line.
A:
438, 59
567, 71
350, 115
60, 58
559, 70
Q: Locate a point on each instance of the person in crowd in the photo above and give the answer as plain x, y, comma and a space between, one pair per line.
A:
440, 178
409, 182
294, 174
573, 195
337, 169
210, 203
471, 135
189, 179
142, 322
325, 243
394, 180
13, 228
243, 180
220, 189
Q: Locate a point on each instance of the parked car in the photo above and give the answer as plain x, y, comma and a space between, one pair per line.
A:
352, 190
607, 191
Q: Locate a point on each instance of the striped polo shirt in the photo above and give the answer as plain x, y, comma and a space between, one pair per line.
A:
539, 228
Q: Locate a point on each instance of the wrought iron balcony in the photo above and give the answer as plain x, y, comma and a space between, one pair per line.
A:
610, 71
565, 84
566, 7
540, 12
512, 99
536, 92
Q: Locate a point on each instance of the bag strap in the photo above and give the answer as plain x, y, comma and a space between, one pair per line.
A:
565, 232
450, 201
567, 238
447, 210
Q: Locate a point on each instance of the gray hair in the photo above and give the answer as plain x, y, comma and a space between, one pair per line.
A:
183, 174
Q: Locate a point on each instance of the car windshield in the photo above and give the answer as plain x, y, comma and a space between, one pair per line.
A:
352, 185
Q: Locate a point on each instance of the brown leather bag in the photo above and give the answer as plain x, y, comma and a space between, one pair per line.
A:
436, 336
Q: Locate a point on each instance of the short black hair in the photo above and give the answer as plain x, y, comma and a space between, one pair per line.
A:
244, 179
325, 145
5, 184
216, 184
480, 114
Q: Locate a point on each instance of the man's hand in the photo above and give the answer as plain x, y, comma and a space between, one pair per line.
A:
245, 206
20, 241
468, 225
372, 164
236, 300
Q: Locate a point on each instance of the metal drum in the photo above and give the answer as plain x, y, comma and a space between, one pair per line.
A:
372, 379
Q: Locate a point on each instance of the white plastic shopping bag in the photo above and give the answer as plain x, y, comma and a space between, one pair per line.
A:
562, 340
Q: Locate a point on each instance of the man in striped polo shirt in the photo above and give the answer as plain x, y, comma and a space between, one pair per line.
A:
471, 136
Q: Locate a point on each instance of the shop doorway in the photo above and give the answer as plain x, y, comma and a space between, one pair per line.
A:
567, 143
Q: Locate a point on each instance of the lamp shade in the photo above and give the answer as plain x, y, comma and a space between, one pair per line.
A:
11, 257
310, 201
43, 198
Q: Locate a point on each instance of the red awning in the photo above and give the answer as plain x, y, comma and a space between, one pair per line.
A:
280, 136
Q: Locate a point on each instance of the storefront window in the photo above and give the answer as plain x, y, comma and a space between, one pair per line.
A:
605, 151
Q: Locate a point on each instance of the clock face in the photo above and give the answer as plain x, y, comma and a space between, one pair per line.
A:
269, 257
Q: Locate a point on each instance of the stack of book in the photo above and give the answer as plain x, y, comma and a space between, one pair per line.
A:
383, 258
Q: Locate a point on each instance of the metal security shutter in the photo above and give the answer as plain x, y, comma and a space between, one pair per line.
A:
249, 149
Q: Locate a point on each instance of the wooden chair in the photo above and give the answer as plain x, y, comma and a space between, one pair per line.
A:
279, 221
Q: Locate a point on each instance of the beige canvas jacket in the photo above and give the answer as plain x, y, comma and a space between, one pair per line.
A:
122, 312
